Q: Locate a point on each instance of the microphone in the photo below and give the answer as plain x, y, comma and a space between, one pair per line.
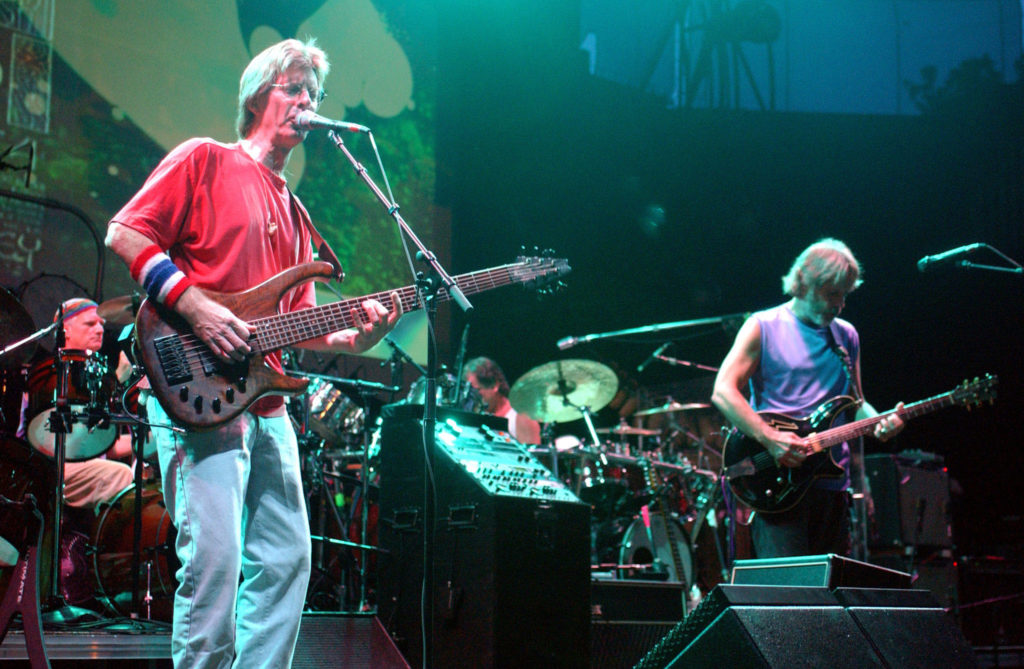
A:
307, 120
926, 262
567, 342
651, 358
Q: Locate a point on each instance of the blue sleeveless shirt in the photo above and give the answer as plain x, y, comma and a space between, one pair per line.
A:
799, 371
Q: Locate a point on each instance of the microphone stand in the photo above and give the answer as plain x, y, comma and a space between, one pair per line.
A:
399, 354
427, 290
139, 433
676, 362
569, 342
1016, 269
60, 423
35, 336
967, 264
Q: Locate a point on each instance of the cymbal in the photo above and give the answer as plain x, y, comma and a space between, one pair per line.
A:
672, 407
555, 391
15, 325
628, 430
118, 310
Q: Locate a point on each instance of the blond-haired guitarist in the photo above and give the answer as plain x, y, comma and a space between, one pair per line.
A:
790, 359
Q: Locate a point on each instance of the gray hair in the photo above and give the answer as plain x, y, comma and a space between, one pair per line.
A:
267, 66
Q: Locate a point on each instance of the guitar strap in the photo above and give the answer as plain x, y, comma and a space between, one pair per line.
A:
844, 355
323, 249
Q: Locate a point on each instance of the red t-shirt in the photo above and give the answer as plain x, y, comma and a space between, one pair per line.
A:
227, 222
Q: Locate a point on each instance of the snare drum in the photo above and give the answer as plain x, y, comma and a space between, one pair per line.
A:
333, 416
112, 554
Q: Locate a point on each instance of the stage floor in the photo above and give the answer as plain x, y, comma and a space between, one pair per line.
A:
152, 649
110, 645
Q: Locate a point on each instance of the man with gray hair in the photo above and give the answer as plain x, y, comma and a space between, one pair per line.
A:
220, 217
790, 359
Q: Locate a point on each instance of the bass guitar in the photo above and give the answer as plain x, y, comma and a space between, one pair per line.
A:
201, 391
759, 482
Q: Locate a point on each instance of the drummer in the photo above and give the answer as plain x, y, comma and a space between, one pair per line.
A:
92, 482
486, 377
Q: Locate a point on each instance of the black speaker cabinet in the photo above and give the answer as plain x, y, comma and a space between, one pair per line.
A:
345, 641
782, 626
935, 572
511, 572
629, 617
911, 500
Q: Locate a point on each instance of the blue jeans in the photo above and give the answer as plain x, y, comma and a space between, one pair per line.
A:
235, 496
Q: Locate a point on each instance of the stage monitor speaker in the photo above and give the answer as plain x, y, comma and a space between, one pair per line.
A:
911, 501
762, 626
907, 628
345, 641
511, 551
781, 626
823, 571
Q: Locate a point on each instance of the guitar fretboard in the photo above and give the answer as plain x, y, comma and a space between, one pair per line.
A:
275, 332
859, 428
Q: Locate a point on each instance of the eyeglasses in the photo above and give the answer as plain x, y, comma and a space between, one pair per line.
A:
295, 90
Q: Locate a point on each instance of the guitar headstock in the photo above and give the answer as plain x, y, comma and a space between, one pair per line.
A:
541, 272
974, 393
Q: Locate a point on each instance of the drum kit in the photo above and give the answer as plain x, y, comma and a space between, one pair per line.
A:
66, 406
649, 501
337, 425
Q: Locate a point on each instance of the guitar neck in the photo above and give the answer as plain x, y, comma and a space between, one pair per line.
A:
837, 435
281, 330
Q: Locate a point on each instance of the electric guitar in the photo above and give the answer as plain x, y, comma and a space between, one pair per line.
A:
201, 391
758, 481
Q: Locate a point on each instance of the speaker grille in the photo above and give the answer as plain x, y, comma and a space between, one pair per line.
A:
339, 641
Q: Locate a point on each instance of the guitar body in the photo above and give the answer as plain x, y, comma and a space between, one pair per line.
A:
758, 481
207, 394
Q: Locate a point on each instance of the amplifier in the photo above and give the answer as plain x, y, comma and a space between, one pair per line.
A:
911, 499
627, 617
825, 571
634, 600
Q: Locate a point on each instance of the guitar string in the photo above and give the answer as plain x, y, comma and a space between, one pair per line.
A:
854, 429
850, 430
273, 327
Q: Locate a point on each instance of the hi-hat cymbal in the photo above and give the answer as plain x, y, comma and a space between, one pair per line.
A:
672, 407
628, 431
15, 324
556, 391
119, 310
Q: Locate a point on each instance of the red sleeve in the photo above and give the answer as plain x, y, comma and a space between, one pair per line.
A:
160, 208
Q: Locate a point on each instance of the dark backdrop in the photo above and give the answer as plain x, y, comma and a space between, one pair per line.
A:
533, 151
